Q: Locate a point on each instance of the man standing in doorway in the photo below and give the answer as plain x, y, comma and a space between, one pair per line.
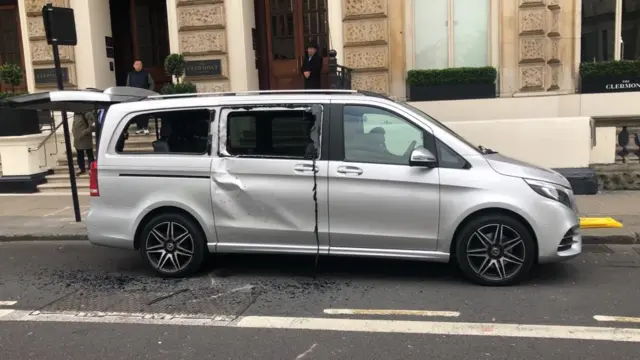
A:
143, 80
311, 68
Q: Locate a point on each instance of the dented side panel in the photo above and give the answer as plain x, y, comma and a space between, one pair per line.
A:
264, 204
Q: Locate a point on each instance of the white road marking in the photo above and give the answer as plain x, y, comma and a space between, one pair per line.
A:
627, 319
342, 325
391, 312
8, 303
57, 211
301, 356
4, 312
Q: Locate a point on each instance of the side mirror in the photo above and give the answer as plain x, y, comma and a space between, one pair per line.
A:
422, 157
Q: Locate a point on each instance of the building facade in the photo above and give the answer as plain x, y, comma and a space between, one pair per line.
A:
258, 44
537, 47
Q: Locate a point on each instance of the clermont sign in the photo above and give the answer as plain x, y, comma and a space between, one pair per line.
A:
610, 84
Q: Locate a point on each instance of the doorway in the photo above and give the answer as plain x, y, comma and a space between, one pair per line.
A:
287, 28
140, 31
10, 39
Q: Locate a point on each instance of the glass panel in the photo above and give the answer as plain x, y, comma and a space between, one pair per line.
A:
314, 24
282, 30
631, 29
374, 135
598, 28
431, 42
470, 33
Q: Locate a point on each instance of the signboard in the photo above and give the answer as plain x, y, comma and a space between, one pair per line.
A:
108, 42
610, 84
203, 68
48, 76
59, 25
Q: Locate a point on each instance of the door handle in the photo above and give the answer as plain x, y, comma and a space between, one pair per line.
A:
350, 170
305, 168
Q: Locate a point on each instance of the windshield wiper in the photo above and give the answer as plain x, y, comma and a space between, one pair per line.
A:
486, 151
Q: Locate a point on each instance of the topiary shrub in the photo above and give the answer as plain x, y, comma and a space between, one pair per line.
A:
174, 66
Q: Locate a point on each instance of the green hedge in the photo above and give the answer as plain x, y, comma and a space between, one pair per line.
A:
452, 76
610, 68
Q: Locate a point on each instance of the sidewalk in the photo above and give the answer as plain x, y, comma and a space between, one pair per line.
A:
50, 217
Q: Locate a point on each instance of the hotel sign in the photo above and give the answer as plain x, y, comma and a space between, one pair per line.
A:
48, 76
203, 68
611, 84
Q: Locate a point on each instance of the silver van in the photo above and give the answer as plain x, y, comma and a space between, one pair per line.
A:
329, 172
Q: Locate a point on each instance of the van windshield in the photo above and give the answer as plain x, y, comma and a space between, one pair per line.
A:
442, 126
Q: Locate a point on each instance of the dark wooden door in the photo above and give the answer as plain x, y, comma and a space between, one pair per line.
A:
150, 35
10, 41
291, 26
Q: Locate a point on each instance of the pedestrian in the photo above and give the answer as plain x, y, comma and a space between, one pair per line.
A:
83, 124
311, 68
143, 80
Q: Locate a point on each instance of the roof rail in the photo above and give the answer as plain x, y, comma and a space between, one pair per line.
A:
254, 92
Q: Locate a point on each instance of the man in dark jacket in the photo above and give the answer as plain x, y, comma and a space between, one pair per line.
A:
143, 80
311, 68
83, 126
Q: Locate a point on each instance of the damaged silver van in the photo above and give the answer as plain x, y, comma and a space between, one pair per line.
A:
324, 172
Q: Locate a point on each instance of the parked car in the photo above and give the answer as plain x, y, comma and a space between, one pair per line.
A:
329, 172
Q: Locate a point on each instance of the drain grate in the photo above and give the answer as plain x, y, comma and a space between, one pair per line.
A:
103, 302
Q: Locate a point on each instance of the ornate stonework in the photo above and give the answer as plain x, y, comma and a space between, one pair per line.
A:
366, 31
202, 36
208, 15
364, 8
367, 58
540, 32
35, 6
366, 43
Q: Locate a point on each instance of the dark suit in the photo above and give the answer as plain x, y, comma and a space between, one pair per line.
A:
314, 66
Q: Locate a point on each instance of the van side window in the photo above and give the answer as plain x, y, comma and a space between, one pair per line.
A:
271, 133
375, 135
170, 132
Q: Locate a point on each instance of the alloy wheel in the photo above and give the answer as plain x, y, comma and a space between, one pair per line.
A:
169, 247
496, 252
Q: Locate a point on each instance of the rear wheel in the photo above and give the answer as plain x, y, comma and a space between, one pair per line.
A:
173, 245
495, 250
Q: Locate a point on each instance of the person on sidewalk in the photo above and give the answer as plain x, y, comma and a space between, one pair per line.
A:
83, 138
311, 68
143, 80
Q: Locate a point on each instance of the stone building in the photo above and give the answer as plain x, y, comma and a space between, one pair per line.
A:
534, 43
233, 45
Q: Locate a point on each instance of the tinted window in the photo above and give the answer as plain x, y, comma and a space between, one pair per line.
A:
271, 133
447, 158
179, 132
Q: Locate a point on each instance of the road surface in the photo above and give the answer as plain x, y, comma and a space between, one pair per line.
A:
70, 300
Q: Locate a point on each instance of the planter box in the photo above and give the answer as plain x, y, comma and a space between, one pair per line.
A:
451, 92
18, 122
609, 84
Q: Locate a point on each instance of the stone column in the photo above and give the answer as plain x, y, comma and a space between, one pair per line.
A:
366, 43
538, 47
202, 36
243, 74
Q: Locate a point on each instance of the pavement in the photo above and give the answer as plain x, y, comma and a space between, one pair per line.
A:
51, 217
71, 300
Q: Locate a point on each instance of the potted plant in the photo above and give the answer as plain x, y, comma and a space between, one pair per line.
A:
452, 84
15, 122
174, 65
610, 76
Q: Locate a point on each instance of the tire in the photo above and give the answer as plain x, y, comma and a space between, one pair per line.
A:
173, 254
486, 263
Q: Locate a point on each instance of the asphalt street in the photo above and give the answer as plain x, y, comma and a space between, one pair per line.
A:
70, 300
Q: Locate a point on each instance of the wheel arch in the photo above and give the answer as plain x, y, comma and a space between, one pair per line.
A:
493, 211
166, 209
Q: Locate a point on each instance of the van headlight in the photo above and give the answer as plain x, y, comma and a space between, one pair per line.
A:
553, 192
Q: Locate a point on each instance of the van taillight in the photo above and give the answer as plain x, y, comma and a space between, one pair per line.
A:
93, 179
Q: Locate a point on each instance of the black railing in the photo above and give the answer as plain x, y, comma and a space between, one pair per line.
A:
339, 76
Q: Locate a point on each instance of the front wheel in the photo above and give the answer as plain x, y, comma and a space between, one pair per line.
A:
173, 245
495, 250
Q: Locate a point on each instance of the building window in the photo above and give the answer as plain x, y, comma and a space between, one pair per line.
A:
610, 30
451, 33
